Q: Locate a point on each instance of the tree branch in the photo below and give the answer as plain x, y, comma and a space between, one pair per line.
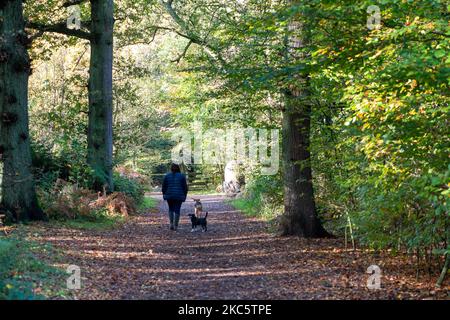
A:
183, 54
60, 28
189, 34
70, 3
132, 43
157, 28
153, 36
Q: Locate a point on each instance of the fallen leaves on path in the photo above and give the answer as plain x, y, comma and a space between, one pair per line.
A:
236, 259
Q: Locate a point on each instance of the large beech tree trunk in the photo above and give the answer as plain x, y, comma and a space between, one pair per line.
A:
18, 197
100, 135
300, 215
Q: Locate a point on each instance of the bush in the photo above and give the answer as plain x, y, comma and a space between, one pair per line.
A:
66, 201
68, 164
263, 196
129, 186
116, 203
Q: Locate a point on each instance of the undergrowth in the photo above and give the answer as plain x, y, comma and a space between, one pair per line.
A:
26, 276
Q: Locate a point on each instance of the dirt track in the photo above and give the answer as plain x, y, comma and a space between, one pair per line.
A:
236, 259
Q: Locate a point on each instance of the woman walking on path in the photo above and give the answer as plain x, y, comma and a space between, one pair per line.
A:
174, 190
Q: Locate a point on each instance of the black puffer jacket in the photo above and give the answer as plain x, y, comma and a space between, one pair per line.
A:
174, 186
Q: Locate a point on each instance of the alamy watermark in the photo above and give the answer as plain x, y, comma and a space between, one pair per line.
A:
74, 19
374, 17
220, 146
74, 280
374, 281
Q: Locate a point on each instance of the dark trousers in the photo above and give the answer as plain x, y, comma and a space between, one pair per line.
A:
174, 211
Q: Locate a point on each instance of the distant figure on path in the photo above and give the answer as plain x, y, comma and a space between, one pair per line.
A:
174, 190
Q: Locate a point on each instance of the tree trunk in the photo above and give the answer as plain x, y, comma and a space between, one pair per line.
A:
300, 215
100, 136
18, 197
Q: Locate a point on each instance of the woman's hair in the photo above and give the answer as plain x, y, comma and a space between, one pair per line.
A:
175, 168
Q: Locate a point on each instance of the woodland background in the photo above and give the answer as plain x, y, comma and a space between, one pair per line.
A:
364, 113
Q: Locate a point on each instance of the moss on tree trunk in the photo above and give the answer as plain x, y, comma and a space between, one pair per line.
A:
100, 135
18, 196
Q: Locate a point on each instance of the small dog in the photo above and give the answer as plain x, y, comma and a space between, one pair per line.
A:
198, 222
198, 208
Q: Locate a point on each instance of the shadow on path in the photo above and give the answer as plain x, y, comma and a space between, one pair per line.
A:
236, 259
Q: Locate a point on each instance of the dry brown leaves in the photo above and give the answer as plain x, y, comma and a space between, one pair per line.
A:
69, 201
115, 203
236, 259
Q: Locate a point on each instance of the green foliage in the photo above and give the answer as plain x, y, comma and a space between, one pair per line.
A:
380, 104
379, 99
130, 187
263, 197
58, 115
384, 157
147, 203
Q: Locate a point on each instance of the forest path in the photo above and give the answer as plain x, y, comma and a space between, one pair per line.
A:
236, 259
